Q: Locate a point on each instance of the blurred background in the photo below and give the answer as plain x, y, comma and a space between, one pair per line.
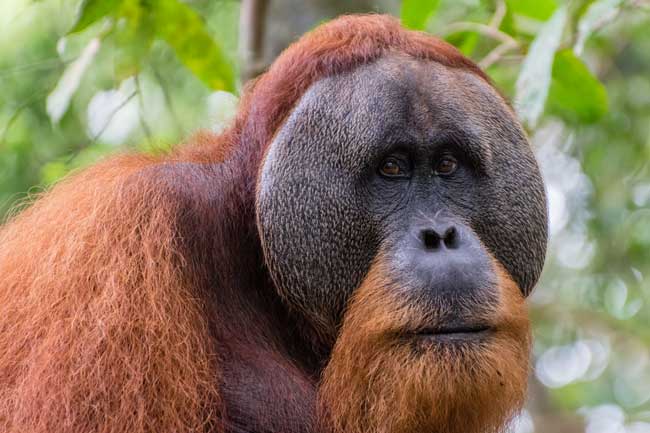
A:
80, 80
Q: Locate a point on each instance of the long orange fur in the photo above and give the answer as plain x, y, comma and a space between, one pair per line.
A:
100, 328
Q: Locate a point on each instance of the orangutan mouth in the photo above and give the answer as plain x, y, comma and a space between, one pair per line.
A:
459, 332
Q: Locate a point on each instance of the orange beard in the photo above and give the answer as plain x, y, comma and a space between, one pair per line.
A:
380, 381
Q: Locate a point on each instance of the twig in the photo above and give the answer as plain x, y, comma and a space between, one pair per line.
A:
35, 66
169, 102
496, 54
644, 5
143, 123
14, 116
508, 43
110, 117
499, 13
95, 137
464, 26
10, 122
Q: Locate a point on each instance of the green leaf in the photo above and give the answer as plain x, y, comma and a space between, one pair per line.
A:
183, 29
416, 13
535, 76
134, 48
538, 9
575, 94
134, 36
91, 11
598, 13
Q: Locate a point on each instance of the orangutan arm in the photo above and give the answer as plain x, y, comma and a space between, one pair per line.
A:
100, 327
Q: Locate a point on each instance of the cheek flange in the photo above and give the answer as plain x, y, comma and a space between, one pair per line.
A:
315, 235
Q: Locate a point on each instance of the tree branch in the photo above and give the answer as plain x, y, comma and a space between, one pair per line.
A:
496, 54
491, 32
499, 13
252, 24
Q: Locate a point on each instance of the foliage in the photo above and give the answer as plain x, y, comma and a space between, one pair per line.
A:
75, 87
415, 13
122, 74
550, 75
136, 23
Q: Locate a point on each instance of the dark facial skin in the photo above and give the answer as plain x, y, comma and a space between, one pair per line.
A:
422, 162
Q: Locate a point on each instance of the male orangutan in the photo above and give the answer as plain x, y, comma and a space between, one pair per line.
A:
351, 255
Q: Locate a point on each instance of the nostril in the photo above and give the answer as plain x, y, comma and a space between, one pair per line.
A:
451, 238
431, 239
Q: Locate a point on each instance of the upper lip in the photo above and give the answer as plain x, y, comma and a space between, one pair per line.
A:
450, 329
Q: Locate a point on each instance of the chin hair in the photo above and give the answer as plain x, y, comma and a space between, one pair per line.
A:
379, 380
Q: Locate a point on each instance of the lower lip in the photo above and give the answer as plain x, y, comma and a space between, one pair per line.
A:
456, 336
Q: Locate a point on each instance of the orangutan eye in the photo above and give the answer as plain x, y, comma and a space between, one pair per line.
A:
445, 166
393, 167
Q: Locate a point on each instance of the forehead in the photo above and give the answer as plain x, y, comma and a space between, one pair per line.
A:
417, 100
